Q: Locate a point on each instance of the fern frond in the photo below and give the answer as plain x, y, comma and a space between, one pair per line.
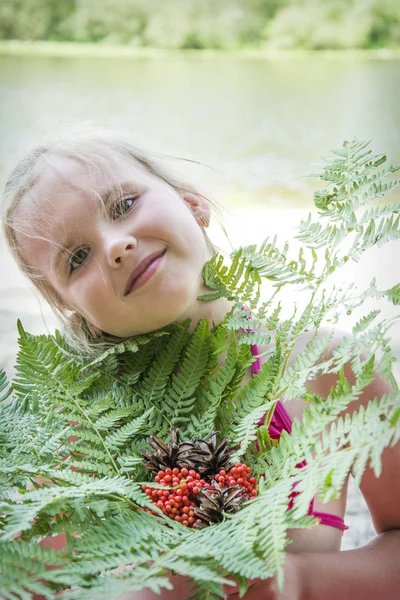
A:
23, 570
112, 417
43, 373
262, 385
394, 294
130, 345
155, 380
180, 393
121, 436
5, 388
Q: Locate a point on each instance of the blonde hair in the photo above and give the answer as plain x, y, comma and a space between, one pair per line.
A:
94, 150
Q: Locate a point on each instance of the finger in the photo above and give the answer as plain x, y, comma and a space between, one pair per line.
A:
229, 590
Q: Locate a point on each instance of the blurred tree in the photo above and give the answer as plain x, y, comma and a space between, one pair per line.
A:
320, 24
385, 28
206, 24
313, 24
34, 19
107, 20
336, 24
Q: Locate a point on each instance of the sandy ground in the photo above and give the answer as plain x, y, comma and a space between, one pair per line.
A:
17, 300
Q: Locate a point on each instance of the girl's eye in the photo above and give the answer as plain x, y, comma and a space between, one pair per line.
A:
123, 206
78, 258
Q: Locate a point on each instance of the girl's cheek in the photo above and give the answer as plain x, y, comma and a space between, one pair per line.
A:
89, 293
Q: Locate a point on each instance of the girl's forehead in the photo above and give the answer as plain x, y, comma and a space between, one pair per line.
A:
62, 177
95, 174
65, 183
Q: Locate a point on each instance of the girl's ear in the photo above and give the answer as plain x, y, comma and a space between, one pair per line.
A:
199, 207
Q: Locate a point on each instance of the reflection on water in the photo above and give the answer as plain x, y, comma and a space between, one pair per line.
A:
260, 123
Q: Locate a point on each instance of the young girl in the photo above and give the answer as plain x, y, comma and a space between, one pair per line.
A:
117, 248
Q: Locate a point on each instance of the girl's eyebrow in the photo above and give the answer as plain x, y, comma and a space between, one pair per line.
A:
107, 198
116, 191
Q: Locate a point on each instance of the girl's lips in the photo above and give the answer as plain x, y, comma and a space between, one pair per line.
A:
146, 270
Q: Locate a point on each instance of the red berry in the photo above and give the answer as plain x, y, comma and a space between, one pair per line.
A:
184, 471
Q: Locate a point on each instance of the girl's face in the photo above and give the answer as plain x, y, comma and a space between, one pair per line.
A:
91, 251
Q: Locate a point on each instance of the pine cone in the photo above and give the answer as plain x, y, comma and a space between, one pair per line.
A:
213, 457
205, 457
216, 501
175, 454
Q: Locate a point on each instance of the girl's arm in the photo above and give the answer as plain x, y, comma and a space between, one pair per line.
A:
373, 571
368, 573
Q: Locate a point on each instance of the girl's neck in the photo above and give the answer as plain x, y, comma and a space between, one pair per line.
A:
214, 311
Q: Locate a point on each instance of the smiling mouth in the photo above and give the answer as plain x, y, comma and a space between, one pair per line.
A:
144, 271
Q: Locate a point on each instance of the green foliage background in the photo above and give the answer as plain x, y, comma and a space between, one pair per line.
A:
200, 24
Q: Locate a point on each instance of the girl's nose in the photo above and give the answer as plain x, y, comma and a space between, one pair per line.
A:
119, 250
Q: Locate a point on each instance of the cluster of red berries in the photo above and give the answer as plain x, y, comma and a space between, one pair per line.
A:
179, 501
239, 475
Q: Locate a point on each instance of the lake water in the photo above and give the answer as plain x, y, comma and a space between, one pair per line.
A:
258, 124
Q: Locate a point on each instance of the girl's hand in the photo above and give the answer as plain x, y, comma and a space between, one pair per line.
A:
267, 589
260, 589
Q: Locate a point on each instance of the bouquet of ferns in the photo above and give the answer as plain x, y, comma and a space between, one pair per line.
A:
98, 449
